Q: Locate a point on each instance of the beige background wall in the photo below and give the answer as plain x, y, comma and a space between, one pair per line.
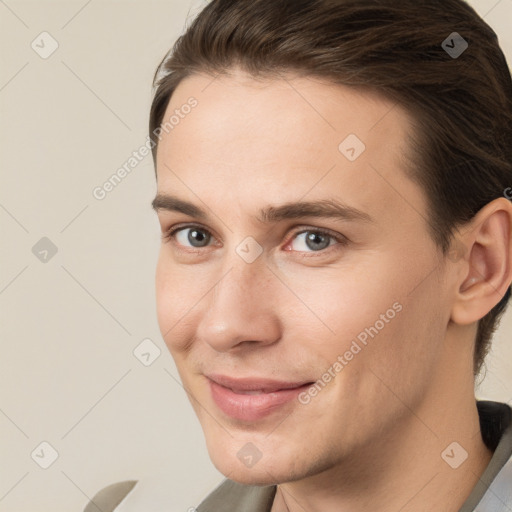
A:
69, 325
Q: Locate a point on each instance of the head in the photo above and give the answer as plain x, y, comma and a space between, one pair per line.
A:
354, 103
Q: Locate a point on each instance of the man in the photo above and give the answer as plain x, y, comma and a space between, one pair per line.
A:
336, 252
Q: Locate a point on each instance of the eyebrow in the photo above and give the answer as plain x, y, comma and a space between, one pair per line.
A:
325, 208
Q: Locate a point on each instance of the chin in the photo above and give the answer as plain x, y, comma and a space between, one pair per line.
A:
252, 459
264, 472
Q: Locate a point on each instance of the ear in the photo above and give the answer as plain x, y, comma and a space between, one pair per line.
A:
485, 259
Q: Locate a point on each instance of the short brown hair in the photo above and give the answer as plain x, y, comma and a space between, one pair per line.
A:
461, 104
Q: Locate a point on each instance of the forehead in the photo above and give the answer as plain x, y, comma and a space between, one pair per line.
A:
278, 140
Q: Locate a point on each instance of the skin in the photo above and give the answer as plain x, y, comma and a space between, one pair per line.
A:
373, 437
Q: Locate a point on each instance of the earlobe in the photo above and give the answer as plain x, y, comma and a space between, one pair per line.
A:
487, 265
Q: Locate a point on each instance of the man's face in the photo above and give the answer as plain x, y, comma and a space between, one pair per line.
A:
359, 297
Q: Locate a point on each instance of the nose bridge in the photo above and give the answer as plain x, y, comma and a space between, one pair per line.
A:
239, 307
245, 272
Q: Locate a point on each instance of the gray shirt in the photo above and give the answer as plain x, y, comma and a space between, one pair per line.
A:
492, 493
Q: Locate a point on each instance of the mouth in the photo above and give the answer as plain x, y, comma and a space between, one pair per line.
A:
251, 399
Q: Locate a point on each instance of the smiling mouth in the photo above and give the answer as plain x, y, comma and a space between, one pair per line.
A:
251, 405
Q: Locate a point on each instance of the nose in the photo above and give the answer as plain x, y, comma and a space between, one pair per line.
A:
240, 309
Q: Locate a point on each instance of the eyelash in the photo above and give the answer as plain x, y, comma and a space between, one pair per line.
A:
169, 236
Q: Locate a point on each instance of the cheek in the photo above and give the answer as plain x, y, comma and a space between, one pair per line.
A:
336, 304
163, 297
370, 304
401, 358
173, 305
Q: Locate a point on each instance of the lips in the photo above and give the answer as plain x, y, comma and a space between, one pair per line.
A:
246, 385
252, 399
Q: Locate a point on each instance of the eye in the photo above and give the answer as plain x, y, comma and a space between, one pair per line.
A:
315, 240
310, 240
197, 236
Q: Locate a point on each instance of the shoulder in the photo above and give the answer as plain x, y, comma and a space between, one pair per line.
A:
108, 498
498, 497
497, 479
